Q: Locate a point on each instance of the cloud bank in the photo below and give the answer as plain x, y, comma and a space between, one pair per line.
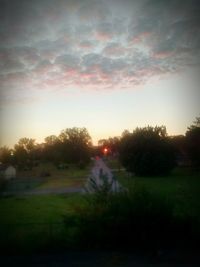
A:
100, 45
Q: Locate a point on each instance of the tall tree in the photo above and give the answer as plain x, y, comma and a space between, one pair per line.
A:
23, 151
5, 155
147, 151
53, 149
193, 143
76, 143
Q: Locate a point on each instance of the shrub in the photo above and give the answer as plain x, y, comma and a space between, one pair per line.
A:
102, 188
129, 220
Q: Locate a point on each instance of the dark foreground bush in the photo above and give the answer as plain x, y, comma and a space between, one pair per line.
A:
134, 220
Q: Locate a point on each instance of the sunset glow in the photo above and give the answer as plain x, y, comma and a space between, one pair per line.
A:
105, 65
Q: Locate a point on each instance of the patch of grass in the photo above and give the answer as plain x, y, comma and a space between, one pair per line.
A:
44, 208
71, 177
72, 172
182, 187
35, 222
113, 163
63, 183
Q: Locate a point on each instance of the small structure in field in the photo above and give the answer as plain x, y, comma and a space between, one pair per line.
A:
7, 171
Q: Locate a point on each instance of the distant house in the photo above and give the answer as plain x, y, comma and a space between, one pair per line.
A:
7, 171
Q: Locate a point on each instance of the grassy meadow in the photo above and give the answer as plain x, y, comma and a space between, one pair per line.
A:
31, 221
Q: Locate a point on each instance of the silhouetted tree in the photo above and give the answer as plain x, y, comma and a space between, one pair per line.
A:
179, 144
23, 151
53, 149
125, 133
5, 155
112, 143
193, 143
147, 151
76, 144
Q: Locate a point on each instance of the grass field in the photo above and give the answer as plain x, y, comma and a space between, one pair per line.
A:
28, 218
182, 188
34, 209
32, 222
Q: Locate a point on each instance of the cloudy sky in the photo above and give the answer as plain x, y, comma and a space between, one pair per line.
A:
108, 65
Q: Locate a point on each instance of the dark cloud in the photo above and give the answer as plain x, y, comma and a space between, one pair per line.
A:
93, 10
68, 60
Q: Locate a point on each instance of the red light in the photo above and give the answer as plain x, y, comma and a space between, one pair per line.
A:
105, 150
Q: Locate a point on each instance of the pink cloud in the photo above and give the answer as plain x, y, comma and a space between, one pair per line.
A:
103, 36
163, 54
140, 37
86, 45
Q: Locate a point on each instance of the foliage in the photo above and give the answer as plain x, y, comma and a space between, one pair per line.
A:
147, 151
180, 192
71, 146
24, 152
134, 219
5, 155
101, 190
182, 188
112, 143
193, 143
52, 150
179, 144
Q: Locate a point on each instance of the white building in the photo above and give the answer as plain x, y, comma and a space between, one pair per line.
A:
7, 171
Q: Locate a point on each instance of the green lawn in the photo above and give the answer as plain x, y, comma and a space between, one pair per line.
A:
33, 209
113, 163
62, 183
34, 221
182, 188
37, 218
71, 172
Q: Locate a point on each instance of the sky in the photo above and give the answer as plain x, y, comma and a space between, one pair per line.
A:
107, 65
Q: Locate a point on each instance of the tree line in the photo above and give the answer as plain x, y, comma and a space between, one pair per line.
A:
145, 151
150, 151
72, 145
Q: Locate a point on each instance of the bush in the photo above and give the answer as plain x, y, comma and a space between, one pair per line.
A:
129, 220
147, 152
102, 189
